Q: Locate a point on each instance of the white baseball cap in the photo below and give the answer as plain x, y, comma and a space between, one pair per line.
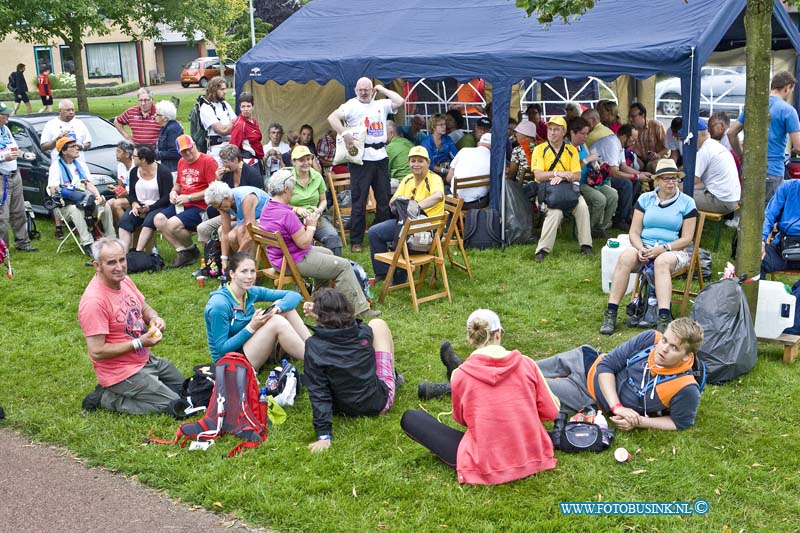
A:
487, 315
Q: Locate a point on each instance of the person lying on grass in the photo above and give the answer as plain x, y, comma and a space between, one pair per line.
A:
502, 398
349, 365
646, 382
233, 324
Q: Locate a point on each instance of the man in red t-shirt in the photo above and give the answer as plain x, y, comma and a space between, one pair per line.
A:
141, 119
120, 328
176, 223
45, 91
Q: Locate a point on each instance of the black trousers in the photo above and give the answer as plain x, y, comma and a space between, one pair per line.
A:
440, 439
373, 174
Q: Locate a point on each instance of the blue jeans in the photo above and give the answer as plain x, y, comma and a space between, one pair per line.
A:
380, 235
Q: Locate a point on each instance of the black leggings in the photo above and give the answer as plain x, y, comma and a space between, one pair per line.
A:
440, 439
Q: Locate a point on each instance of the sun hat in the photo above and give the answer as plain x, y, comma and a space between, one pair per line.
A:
526, 127
5, 110
667, 167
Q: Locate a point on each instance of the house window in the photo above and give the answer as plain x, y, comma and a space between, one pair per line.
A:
103, 60
67, 62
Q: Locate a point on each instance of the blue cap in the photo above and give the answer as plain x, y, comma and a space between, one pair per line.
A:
702, 125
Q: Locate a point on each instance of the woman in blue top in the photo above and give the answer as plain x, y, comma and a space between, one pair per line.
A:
233, 324
440, 146
166, 150
662, 227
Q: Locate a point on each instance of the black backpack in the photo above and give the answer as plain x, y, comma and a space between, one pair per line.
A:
12, 83
196, 130
143, 262
197, 389
643, 308
482, 229
212, 256
574, 437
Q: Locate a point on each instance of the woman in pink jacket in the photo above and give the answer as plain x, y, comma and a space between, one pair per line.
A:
501, 397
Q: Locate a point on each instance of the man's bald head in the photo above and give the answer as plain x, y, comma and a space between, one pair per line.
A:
364, 90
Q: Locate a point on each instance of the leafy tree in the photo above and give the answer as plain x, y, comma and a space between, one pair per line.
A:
275, 12
240, 34
51, 20
217, 19
758, 27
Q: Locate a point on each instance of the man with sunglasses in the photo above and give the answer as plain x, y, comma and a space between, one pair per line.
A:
141, 119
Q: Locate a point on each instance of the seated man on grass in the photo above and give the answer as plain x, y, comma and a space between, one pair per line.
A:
647, 382
120, 328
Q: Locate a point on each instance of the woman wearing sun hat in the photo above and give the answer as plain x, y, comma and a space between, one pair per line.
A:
662, 227
502, 398
309, 195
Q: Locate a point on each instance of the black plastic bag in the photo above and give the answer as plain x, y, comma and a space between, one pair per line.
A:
518, 216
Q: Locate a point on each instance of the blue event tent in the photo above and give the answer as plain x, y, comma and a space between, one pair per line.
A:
343, 40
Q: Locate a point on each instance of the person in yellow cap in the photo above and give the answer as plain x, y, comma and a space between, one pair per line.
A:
556, 162
422, 186
310, 196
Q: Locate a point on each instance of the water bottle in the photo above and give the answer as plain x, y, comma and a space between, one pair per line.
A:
272, 382
601, 421
262, 397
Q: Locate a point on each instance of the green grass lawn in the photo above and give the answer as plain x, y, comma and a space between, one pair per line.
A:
742, 456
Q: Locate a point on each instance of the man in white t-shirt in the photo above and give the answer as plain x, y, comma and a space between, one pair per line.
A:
716, 183
470, 162
70, 174
275, 148
217, 116
65, 124
374, 172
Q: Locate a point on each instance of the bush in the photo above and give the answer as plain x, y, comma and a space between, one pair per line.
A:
114, 90
63, 80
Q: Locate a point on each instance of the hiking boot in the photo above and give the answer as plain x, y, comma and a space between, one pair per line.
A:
609, 324
663, 322
599, 234
356, 248
449, 358
186, 257
92, 400
27, 248
369, 314
587, 250
540, 255
428, 390
59, 233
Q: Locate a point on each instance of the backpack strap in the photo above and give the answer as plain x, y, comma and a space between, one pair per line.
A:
669, 386
557, 155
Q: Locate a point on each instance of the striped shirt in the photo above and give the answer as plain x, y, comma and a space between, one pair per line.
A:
652, 138
144, 129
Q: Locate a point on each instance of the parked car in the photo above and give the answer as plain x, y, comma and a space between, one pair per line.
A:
100, 157
202, 69
721, 89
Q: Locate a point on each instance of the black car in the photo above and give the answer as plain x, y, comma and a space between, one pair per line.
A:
101, 158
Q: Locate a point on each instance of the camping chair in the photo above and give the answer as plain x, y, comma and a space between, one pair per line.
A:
689, 269
71, 233
288, 271
403, 258
338, 183
452, 237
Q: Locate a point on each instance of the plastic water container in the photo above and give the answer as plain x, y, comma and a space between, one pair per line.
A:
775, 310
609, 256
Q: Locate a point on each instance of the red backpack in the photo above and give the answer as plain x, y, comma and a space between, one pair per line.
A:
234, 408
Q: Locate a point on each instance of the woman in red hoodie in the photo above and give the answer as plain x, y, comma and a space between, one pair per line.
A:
502, 398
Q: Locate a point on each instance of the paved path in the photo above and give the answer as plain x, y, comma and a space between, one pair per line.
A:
44, 488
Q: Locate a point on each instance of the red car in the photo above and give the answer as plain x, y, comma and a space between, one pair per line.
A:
203, 69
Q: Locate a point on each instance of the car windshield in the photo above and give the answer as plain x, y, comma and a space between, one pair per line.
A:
102, 132
192, 64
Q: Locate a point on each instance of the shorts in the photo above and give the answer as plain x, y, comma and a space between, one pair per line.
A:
21, 97
191, 217
681, 259
47, 100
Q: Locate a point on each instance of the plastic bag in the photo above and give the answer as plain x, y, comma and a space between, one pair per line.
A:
518, 216
342, 155
730, 345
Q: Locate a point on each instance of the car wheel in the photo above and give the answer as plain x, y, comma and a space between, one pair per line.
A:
203, 82
671, 108
185, 85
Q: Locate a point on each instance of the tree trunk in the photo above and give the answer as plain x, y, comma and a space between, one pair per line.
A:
758, 25
76, 48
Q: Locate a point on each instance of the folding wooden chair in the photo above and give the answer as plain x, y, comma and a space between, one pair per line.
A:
689, 269
453, 237
403, 258
338, 183
288, 271
470, 183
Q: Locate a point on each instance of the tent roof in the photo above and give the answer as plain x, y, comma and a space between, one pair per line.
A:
493, 39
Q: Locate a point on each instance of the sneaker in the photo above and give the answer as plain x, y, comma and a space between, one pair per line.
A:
59, 233
587, 250
450, 360
540, 255
609, 324
92, 400
356, 248
369, 314
428, 390
27, 248
663, 322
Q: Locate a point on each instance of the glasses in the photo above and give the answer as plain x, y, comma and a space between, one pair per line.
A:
135, 156
670, 178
